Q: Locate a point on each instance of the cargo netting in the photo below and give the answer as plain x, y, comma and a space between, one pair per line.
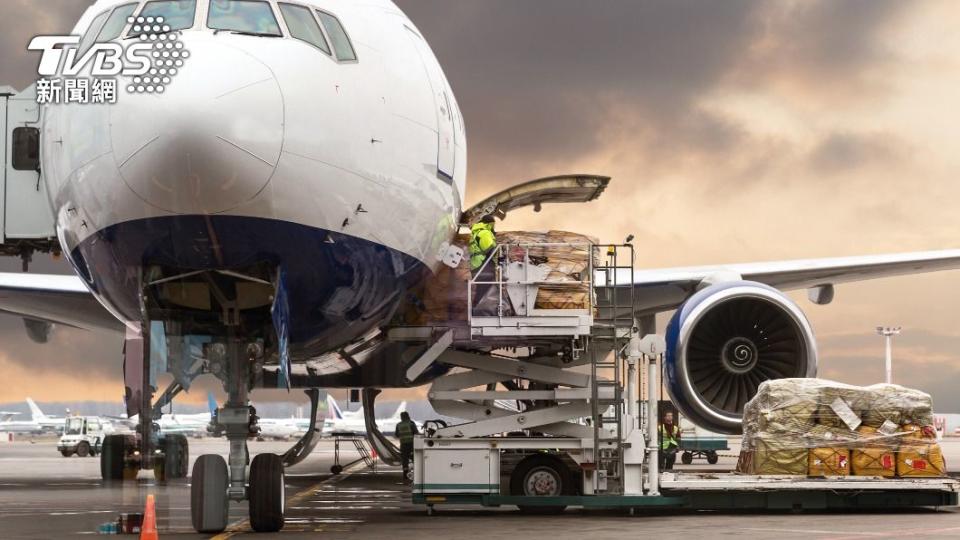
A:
816, 427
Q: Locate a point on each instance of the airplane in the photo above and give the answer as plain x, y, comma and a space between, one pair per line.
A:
42, 421
353, 423
282, 428
38, 423
192, 425
304, 170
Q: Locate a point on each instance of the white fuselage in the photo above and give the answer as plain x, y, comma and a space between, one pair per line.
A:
347, 175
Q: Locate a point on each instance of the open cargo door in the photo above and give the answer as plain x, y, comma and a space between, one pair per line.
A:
570, 188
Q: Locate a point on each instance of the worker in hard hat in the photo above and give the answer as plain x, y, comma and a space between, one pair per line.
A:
669, 441
405, 430
483, 242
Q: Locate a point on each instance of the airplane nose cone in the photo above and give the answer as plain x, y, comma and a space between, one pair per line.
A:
210, 141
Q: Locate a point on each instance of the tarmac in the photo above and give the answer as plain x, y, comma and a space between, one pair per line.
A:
43, 495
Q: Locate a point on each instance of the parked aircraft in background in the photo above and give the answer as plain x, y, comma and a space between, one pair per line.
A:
352, 422
191, 425
44, 422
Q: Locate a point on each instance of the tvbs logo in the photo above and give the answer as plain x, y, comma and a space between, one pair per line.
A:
148, 64
107, 59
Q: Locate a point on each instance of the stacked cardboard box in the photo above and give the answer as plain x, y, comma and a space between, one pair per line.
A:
443, 296
880, 430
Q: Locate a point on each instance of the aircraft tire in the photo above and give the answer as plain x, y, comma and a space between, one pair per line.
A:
266, 493
208, 494
113, 458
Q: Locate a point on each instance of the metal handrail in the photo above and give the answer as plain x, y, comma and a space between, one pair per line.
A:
502, 251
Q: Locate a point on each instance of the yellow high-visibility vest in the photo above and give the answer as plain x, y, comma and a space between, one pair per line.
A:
668, 440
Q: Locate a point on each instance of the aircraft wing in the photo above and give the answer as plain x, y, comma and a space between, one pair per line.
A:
657, 290
53, 298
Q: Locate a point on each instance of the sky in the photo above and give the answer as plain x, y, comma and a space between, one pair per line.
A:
733, 131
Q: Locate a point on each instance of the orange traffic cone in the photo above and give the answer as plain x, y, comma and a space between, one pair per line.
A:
148, 531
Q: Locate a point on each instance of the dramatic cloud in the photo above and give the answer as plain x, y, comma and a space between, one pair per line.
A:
734, 131
24, 19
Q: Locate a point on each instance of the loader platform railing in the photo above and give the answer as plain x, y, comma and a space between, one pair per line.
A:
506, 295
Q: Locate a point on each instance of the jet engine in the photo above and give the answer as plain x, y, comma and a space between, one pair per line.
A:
727, 339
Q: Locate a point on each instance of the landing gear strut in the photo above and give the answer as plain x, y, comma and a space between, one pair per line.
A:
215, 482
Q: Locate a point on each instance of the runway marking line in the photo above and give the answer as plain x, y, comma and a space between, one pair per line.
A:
243, 526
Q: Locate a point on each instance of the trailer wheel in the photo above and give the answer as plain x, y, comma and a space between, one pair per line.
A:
208, 494
267, 493
540, 475
83, 449
686, 458
113, 458
712, 457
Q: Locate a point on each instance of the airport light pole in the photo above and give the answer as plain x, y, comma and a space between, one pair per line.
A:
888, 332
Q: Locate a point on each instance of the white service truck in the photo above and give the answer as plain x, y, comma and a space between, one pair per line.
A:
83, 436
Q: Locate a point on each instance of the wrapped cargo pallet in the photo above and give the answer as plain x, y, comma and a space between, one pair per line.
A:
880, 430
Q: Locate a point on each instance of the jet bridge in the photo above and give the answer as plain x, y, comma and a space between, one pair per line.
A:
27, 223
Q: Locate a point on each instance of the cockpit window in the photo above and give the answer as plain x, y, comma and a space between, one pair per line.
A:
341, 43
92, 31
246, 16
177, 14
303, 26
114, 25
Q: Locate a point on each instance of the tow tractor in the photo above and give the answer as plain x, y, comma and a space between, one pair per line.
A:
83, 436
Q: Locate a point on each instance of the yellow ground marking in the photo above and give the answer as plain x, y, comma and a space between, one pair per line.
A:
243, 526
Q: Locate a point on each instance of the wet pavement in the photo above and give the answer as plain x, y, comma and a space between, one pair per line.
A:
43, 495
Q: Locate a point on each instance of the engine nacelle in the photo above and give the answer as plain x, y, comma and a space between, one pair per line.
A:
727, 339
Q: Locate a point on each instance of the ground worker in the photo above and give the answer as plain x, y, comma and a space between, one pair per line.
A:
669, 442
406, 429
483, 241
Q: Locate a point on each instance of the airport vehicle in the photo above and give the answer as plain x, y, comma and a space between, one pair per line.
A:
83, 435
544, 459
697, 442
264, 217
702, 447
